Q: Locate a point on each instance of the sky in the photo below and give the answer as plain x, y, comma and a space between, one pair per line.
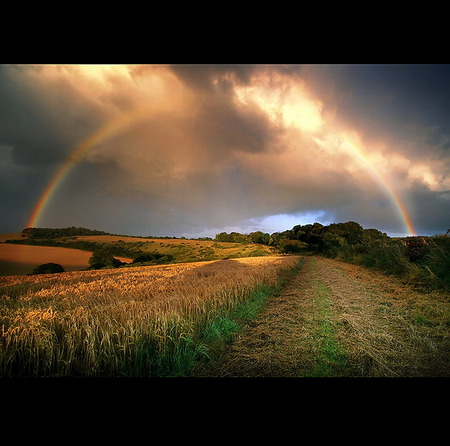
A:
194, 150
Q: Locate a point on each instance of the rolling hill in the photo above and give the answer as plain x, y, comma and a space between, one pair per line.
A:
21, 252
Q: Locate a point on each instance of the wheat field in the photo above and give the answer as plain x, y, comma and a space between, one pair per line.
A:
119, 321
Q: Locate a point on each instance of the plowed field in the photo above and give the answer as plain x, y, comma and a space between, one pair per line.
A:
22, 259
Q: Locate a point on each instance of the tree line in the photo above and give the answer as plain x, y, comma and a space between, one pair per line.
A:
72, 231
312, 237
422, 260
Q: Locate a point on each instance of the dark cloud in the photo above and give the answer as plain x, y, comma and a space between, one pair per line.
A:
224, 127
439, 137
431, 210
42, 118
225, 145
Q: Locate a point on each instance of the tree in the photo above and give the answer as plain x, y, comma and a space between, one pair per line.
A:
310, 234
102, 258
48, 268
153, 257
332, 243
292, 246
234, 237
374, 234
223, 237
259, 237
351, 231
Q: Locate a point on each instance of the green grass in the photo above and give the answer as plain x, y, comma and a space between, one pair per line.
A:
220, 331
187, 345
421, 261
331, 357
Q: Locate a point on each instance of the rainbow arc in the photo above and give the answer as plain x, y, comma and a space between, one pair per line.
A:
124, 121
111, 128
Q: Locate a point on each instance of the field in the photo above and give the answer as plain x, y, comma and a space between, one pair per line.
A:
78, 249
22, 259
183, 250
69, 252
377, 308
335, 319
135, 321
10, 236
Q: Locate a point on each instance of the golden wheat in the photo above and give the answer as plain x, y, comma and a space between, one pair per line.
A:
85, 322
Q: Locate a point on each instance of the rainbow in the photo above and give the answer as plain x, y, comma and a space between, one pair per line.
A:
384, 184
120, 123
111, 128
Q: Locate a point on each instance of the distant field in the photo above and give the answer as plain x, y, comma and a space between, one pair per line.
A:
12, 236
184, 250
22, 259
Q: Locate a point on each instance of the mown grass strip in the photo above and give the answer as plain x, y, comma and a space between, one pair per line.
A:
331, 359
220, 331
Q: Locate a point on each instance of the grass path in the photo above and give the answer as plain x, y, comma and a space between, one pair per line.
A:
335, 319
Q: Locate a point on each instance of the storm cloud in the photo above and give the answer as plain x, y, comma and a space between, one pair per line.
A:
211, 147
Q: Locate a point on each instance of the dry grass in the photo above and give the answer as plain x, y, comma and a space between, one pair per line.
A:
380, 326
99, 322
390, 328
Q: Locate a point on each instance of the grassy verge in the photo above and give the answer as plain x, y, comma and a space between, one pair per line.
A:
331, 359
421, 261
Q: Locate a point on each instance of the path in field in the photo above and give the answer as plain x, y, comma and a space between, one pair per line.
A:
337, 319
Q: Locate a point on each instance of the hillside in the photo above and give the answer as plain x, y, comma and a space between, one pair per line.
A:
10, 236
422, 260
182, 250
354, 303
18, 259
125, 248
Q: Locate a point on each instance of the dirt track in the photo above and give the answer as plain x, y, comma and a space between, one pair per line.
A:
369, 319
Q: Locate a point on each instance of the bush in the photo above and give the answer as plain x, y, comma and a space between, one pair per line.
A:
147, 257
438, 258
48, 268
416, 248
291, 246
102, 258
153, 257
333, 244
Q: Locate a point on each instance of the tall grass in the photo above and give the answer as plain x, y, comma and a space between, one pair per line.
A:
140, 321
422, 261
